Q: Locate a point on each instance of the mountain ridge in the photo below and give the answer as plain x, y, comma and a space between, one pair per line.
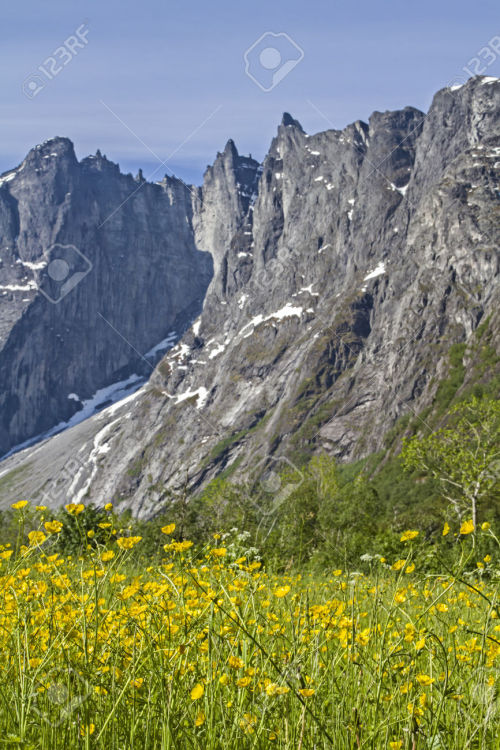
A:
339, 286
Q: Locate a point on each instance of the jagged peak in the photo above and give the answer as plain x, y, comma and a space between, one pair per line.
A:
56, 146
231, 147
288, 121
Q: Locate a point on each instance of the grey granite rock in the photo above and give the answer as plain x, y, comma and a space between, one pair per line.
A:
139, 275
346, 265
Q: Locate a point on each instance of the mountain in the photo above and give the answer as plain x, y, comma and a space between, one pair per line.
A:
96, 270
347, 267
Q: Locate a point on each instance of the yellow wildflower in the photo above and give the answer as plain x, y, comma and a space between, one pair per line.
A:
169, 529
36, 537
75, 508
406, 536
20, 505
197, 692
281, 591
235, 662
248, 722
424, 679
127, 542
398, 564
53, 527
467, 527
219, 552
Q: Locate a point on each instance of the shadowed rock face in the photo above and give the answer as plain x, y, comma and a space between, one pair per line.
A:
130, 248
346, 265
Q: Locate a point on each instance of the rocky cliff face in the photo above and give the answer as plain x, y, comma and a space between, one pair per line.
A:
347, 264
96, 269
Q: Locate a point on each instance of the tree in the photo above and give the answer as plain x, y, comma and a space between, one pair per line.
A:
464, 457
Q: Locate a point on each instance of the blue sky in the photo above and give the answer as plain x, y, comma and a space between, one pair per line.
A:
165, 79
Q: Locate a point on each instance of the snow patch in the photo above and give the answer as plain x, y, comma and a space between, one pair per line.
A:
32, 266
20, 287
116, 392
218, 350
307, 289
163, 345
8, 177
378, 271
201, 393
288, 311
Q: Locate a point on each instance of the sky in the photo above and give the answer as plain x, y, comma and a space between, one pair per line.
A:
163, 84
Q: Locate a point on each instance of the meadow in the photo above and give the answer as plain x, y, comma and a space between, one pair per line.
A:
206, 648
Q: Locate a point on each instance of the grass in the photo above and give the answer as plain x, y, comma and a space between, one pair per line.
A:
204, 648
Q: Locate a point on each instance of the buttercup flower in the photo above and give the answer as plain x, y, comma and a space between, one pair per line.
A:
127, 542
74, 508
406, 536
281, 591
197, 692
168, 529
53, 527
36, 537
467, 527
